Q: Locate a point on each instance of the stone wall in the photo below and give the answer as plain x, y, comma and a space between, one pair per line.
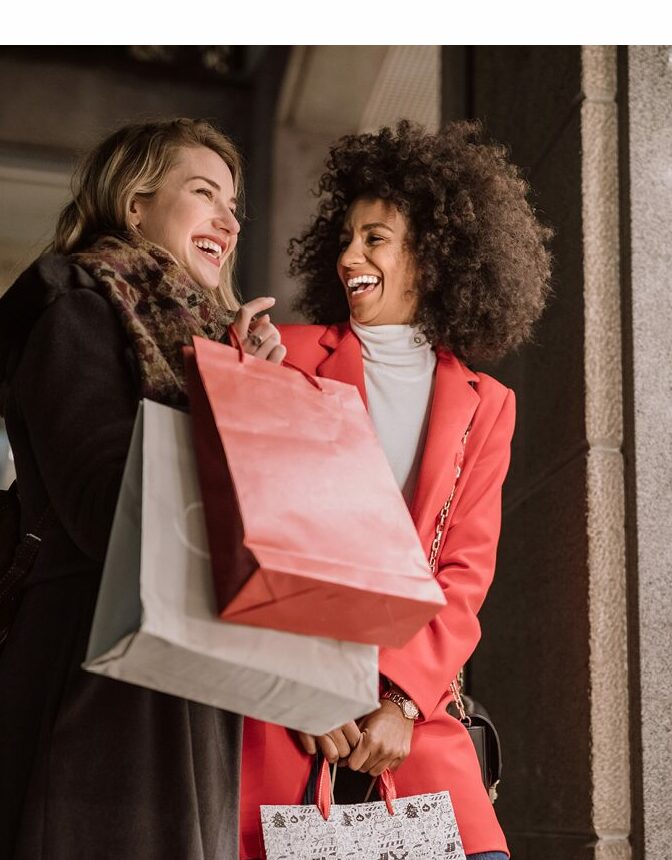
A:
647, 165
552, 664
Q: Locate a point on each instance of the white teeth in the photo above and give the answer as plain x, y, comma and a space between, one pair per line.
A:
362, 279
208, 245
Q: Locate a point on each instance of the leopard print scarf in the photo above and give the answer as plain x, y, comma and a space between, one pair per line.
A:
159, 306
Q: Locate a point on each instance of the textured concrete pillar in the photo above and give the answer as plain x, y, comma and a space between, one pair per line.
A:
647, 74
610, 749
552, 665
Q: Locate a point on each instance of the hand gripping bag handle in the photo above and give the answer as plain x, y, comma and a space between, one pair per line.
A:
324, 790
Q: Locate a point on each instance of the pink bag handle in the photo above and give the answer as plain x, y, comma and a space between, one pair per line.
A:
385, 784
233, 334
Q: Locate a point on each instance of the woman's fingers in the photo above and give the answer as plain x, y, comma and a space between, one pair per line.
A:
243, 318
342, 746
259, 336
333, 745
336, 744
346, 739
377, 767
385, 741
360, 755
263, 338
379, 758
328, 748
352, 733
307, 742
376, 762
277, 354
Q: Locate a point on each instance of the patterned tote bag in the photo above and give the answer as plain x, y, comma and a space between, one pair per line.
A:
421, 827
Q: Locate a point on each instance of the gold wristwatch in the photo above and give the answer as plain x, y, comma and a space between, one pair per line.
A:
408, 707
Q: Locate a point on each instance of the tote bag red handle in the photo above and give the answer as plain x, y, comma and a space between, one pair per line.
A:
323, 800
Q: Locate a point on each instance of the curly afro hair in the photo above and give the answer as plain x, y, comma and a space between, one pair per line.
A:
482, 252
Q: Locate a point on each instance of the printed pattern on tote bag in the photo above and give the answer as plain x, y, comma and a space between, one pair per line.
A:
422, 828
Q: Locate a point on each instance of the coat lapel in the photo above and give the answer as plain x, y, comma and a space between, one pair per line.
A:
344, 361
453, 405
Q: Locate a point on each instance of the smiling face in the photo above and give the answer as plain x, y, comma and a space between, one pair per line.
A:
376, 266
192, 215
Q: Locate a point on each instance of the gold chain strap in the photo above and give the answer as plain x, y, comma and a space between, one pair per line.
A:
457, 685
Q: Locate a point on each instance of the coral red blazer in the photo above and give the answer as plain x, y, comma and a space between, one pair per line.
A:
275, 769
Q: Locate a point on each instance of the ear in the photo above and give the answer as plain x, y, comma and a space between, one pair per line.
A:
135, 213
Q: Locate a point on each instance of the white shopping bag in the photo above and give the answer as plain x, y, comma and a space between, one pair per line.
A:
421, 827
156, 622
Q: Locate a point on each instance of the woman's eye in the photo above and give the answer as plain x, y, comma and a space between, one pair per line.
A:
373, 239
205, 191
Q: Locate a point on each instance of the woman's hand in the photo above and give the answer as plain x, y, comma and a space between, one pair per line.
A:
336, 744
258, 335
385, 740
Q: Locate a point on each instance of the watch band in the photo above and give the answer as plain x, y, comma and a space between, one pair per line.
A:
408, 707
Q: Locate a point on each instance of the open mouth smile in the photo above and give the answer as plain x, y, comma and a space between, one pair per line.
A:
210, 249
362, 284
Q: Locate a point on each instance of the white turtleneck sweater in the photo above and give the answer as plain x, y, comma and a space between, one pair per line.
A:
399, 369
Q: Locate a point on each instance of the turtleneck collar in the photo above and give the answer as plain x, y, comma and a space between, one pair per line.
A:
395, 345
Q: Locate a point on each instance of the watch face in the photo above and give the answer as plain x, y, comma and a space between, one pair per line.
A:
410, 710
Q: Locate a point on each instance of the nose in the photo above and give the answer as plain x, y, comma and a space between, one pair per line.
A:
227, 221
352, 254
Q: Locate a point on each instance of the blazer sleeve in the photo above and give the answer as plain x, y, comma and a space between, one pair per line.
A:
427, 664
77, 396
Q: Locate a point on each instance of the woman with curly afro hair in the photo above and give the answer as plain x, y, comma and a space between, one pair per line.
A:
425, 256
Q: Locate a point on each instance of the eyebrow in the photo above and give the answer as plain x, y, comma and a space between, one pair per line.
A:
370, 226
214, 185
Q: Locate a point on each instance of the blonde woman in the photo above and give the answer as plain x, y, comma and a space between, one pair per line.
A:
142, 259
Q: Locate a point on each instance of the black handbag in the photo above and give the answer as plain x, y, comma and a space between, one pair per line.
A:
484, 737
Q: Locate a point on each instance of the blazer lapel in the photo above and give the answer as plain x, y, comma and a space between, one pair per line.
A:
344, 361
453, 406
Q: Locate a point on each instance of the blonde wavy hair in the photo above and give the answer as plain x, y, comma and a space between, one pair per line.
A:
134, 161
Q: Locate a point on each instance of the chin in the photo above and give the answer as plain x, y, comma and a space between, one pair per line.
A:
361, 315
203, 282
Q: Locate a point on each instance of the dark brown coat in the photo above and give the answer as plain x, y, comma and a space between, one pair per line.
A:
89, 767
